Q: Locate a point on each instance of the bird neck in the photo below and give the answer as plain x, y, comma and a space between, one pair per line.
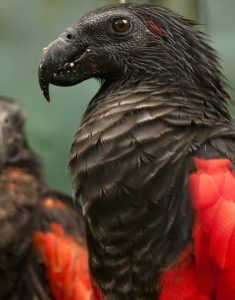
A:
25, 161
199, 103
125, 170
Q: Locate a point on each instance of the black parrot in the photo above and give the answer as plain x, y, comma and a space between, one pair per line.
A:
153, 159
42, 246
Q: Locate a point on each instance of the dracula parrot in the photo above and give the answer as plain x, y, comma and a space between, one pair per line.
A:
43, 253
153, 159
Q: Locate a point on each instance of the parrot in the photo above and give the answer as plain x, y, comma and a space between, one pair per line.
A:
43, 253
153, 159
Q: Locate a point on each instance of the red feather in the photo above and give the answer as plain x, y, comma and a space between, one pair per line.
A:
179, 282
97, 294
213, 196
66, 262
206, 270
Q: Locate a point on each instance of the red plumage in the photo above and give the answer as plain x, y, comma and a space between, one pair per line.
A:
97, 294
206, 270
179, 281
212, 192
66, 261
59, 245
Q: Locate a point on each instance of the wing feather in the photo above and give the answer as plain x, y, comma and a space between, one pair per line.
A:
213, 195
59, 244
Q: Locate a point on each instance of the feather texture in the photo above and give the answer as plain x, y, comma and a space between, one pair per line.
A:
66, 263
146, 199
212, 189
43, 252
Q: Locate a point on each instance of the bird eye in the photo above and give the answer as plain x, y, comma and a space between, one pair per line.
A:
121, 25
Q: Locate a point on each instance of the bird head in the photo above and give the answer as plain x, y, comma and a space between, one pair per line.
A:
128, 42
11, 129
14, 148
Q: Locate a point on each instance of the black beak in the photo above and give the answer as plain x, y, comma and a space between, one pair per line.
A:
60, 64
45, 71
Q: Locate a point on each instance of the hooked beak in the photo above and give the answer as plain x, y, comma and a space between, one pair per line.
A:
61, 65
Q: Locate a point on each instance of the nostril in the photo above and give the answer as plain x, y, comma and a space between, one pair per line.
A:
6, 121
69, 36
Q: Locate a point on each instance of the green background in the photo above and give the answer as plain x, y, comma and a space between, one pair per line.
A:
26, 26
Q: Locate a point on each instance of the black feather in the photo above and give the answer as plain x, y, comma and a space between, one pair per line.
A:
162, 99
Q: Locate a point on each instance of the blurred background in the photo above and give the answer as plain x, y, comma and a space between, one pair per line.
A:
27, 26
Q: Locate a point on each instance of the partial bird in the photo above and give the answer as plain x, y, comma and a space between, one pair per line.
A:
153, 158
43, 253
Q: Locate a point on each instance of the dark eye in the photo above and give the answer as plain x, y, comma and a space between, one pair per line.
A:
121, 25
18, 121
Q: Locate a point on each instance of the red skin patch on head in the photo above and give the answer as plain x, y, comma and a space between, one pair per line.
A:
154, 28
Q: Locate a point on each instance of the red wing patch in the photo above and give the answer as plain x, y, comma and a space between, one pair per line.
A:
97, 294
66, 262
213, 194
179, 281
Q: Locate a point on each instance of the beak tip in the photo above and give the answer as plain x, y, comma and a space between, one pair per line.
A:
44, 80
44, 85
45, 92
47, 96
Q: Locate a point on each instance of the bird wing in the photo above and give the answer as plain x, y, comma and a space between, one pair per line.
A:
179, 281
205, 270
213, 195
59, 246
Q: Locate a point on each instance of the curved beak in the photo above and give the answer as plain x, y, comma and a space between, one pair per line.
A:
59, 64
